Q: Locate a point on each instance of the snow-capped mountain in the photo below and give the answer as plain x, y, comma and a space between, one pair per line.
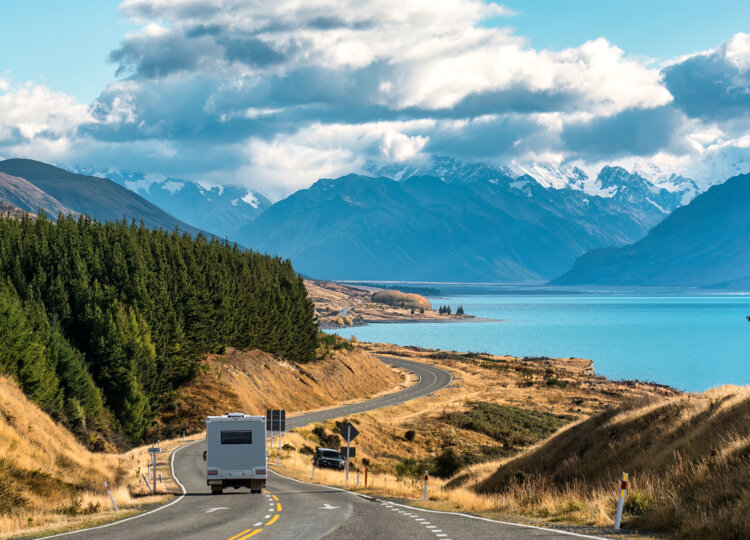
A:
221, 210
610, 183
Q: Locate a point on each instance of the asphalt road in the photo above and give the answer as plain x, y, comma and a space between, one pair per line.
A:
289, 509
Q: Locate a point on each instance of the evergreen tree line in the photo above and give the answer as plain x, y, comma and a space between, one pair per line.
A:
100, 323
446, 310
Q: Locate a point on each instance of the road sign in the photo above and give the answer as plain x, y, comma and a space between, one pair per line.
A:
348, 452
348, 432
275, 420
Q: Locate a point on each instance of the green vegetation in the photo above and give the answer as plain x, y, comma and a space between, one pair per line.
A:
399, 299
332, 342
510, 425
100, 323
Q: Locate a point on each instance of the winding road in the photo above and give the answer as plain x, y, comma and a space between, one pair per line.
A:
293, 510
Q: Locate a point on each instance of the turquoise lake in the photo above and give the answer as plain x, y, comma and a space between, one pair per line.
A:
689, 342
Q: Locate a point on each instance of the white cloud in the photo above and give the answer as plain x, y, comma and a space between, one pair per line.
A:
30, 110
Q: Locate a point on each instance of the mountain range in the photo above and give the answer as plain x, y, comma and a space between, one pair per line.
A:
703, 244
223, 210
464, 222
447, 220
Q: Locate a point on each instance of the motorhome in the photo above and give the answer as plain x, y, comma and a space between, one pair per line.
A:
235, 452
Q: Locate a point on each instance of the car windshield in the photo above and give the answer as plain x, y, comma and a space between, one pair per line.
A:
330, 454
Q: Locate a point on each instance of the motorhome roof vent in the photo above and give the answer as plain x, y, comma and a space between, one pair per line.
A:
236, 414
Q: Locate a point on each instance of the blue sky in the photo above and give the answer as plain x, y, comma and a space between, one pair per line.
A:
274, 95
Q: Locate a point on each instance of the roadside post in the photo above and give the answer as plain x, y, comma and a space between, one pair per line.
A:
426, 478
348, 432
111, 498
365, 476
313, 474
183, 435
153, 452
621, 502
357, 478
276, 421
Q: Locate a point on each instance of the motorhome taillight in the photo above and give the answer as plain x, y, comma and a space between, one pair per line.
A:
213, 472
260, 471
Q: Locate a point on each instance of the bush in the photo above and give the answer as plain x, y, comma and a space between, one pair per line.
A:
447, 463
409, 435
637, 502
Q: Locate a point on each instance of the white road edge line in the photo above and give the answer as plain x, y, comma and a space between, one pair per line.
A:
469, 516
178, 499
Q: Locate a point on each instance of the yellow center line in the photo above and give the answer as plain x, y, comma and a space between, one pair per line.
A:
237, 536
256, 531
278, 507
266, 492
274, 497
273, 520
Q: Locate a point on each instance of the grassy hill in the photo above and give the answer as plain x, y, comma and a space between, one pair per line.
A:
688, 458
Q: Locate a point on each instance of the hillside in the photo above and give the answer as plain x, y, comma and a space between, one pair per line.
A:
98, 198
425, 228
254, 380
688, 458
703, 244
29, 198
100, 323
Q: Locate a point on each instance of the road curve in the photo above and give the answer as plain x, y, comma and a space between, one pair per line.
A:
290, 509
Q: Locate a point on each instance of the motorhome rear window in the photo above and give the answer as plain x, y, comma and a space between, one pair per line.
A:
236, 437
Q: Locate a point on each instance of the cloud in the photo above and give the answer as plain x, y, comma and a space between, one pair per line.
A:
713, 85
274, 95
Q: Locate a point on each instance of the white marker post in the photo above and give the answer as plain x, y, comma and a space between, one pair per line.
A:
146, 480
278, 456
426, 478
111, 498
313, 475
621, 502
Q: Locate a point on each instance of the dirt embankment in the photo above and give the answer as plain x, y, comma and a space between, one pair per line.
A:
254, 381
339, 306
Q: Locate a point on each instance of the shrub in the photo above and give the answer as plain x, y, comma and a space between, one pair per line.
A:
447, 463
409, 435
637, 502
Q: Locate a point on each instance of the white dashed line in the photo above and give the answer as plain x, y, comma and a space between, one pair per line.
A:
266, 517
258, 524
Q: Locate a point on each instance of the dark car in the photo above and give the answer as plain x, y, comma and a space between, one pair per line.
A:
327, 457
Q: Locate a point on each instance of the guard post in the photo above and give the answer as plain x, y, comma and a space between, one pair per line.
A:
621, 502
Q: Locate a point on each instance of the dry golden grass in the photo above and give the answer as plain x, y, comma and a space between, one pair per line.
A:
254, 381
48, 479
688, 458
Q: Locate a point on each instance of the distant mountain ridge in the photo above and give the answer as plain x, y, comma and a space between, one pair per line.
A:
98, 198
703, 244
24, 195
221, 209
475, 224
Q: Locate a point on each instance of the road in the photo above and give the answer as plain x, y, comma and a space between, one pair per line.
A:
289, 509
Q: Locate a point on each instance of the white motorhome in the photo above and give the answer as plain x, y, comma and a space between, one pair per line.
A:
235, 452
